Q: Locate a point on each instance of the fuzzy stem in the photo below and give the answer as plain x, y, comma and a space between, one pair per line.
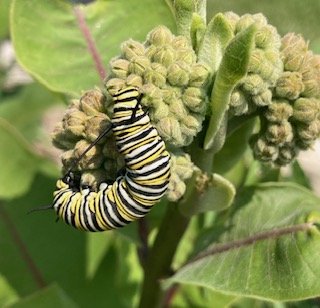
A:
171, 231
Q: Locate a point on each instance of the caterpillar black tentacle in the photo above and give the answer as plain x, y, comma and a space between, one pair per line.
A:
132, 195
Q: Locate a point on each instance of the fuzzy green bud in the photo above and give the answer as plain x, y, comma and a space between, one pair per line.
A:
92, 102
238, 103
191, 124
279, 133
286, 155
182, 169
306, 109
233, 19
164, 55
180, 42
152, 96
131, 49
61, 140
161, 35
73, 122
194, 99
161, 111
178, 74
169, 128
178, 109
138, 65
279, 111
309, 132
176, 188
289, 85
67, 158
198, 76
92, 159
114, 85
120, 67
263, 99
95, 125
267, 37
264, 151
186, 55
155, 74
293, 50
134, 80
253, 84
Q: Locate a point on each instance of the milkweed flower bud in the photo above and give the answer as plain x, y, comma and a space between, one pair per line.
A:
287, 154
264, 68
172, 83
279, 111
279, 133
131, 49
292, 118
92, 102
114, 85
73, 122
155, 74
198, 76
290, 85
182, 169
293, 50
60, 140
120, 67
178, 74
138, 65
193, 98
160, 36
95, 125
306, 110
93, 159
264, 150
164, 55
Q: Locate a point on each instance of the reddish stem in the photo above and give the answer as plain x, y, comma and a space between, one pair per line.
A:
92, 48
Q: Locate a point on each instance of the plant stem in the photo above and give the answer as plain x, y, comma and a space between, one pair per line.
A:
160, 258
172, 228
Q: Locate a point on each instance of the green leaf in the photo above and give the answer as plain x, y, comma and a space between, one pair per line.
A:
233, 67
52, 296
56, 253
234, 147
97, 246
54, 50
21, 118
26, 110
183, 10
297, 175
4, 18
213, 193
7, 293
193, 296
268, 249
18, 162
216, 37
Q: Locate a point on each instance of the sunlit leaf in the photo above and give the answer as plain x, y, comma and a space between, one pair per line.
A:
268, 249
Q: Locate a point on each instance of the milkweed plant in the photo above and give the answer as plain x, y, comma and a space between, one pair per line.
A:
235, 102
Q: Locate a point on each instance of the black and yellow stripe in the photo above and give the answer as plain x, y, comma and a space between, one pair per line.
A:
132, 195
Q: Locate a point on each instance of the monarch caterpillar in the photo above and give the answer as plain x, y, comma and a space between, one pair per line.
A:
131, 195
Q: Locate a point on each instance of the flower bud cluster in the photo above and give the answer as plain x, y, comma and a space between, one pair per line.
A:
182, 169
292, 121
83, 122
265, 65
165, 70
